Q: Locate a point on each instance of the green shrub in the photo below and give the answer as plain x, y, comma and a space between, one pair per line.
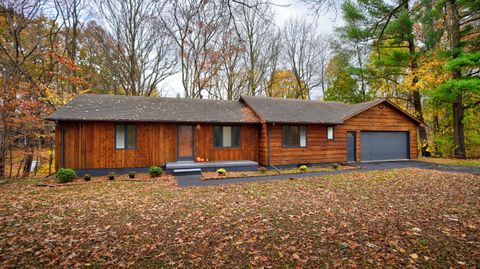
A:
111, 176
262, 170
155, 171
132, 174
222, 172
303, 168
87, 177
336, 166
65, 175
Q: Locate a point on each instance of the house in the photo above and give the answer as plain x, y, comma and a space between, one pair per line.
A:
104, 132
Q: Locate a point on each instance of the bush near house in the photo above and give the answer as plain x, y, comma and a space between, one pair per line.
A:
65, 175
262, 170
303, 168
222, 172
155, 171
87, 177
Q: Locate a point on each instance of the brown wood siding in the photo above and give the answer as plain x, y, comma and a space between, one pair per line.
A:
263, 144
91, 145
319, 149
248, 149
387, 118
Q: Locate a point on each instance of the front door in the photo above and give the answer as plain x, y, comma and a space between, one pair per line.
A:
185, 143
351, 147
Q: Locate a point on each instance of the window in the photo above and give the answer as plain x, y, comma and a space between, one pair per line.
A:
294, 136
330, 132
125, 136
226, 136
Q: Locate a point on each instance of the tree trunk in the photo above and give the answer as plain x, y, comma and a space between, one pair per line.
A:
2, 162
10, 163
20, 167
458, 131
417, 98
454, 34
4, 146
422, 130
27, 165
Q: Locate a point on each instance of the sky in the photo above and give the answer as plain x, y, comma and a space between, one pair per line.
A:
284, 10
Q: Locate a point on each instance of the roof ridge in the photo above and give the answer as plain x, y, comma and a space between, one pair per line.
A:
154, 97
292, 99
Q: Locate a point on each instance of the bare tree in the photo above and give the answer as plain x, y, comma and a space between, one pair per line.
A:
194, 26
71, 12
231, 79
275, 50
256, 30
143, 55
305, 52
320, 6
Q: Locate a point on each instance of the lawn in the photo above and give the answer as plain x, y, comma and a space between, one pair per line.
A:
395, 218
467, 162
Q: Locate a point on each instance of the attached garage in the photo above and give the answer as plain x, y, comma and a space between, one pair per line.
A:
384, 145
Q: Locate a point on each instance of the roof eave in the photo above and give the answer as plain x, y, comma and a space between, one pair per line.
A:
389, 102
154, 121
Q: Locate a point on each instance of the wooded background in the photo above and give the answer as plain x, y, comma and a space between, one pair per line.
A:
421, 54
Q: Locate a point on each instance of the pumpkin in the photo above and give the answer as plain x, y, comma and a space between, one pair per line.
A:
198, 159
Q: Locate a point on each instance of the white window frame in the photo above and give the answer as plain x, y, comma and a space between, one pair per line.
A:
330, 132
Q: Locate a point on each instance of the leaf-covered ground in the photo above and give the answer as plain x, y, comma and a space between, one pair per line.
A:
467, 162
395, 218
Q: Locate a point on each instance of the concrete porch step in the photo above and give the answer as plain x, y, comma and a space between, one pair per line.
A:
239, 165
187, 171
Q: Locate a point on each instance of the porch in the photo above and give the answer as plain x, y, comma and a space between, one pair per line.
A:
190, 167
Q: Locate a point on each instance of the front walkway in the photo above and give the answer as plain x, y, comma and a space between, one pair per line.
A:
195, 180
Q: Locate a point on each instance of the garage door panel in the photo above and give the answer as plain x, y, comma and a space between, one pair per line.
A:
376, 146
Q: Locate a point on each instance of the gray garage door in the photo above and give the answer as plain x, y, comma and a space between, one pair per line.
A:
377, 146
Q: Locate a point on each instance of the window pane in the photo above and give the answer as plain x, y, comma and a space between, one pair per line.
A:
303, 136
291, 136
236, 136
120, 137
217, 136
294, 136
330, 132
131, 137
285, 136
227, 136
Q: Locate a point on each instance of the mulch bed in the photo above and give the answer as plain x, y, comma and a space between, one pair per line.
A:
243, 174
139, 177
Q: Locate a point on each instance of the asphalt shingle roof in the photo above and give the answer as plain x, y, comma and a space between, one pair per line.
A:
100, 107
284, 110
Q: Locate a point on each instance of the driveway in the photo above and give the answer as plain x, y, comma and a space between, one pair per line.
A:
194, 180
